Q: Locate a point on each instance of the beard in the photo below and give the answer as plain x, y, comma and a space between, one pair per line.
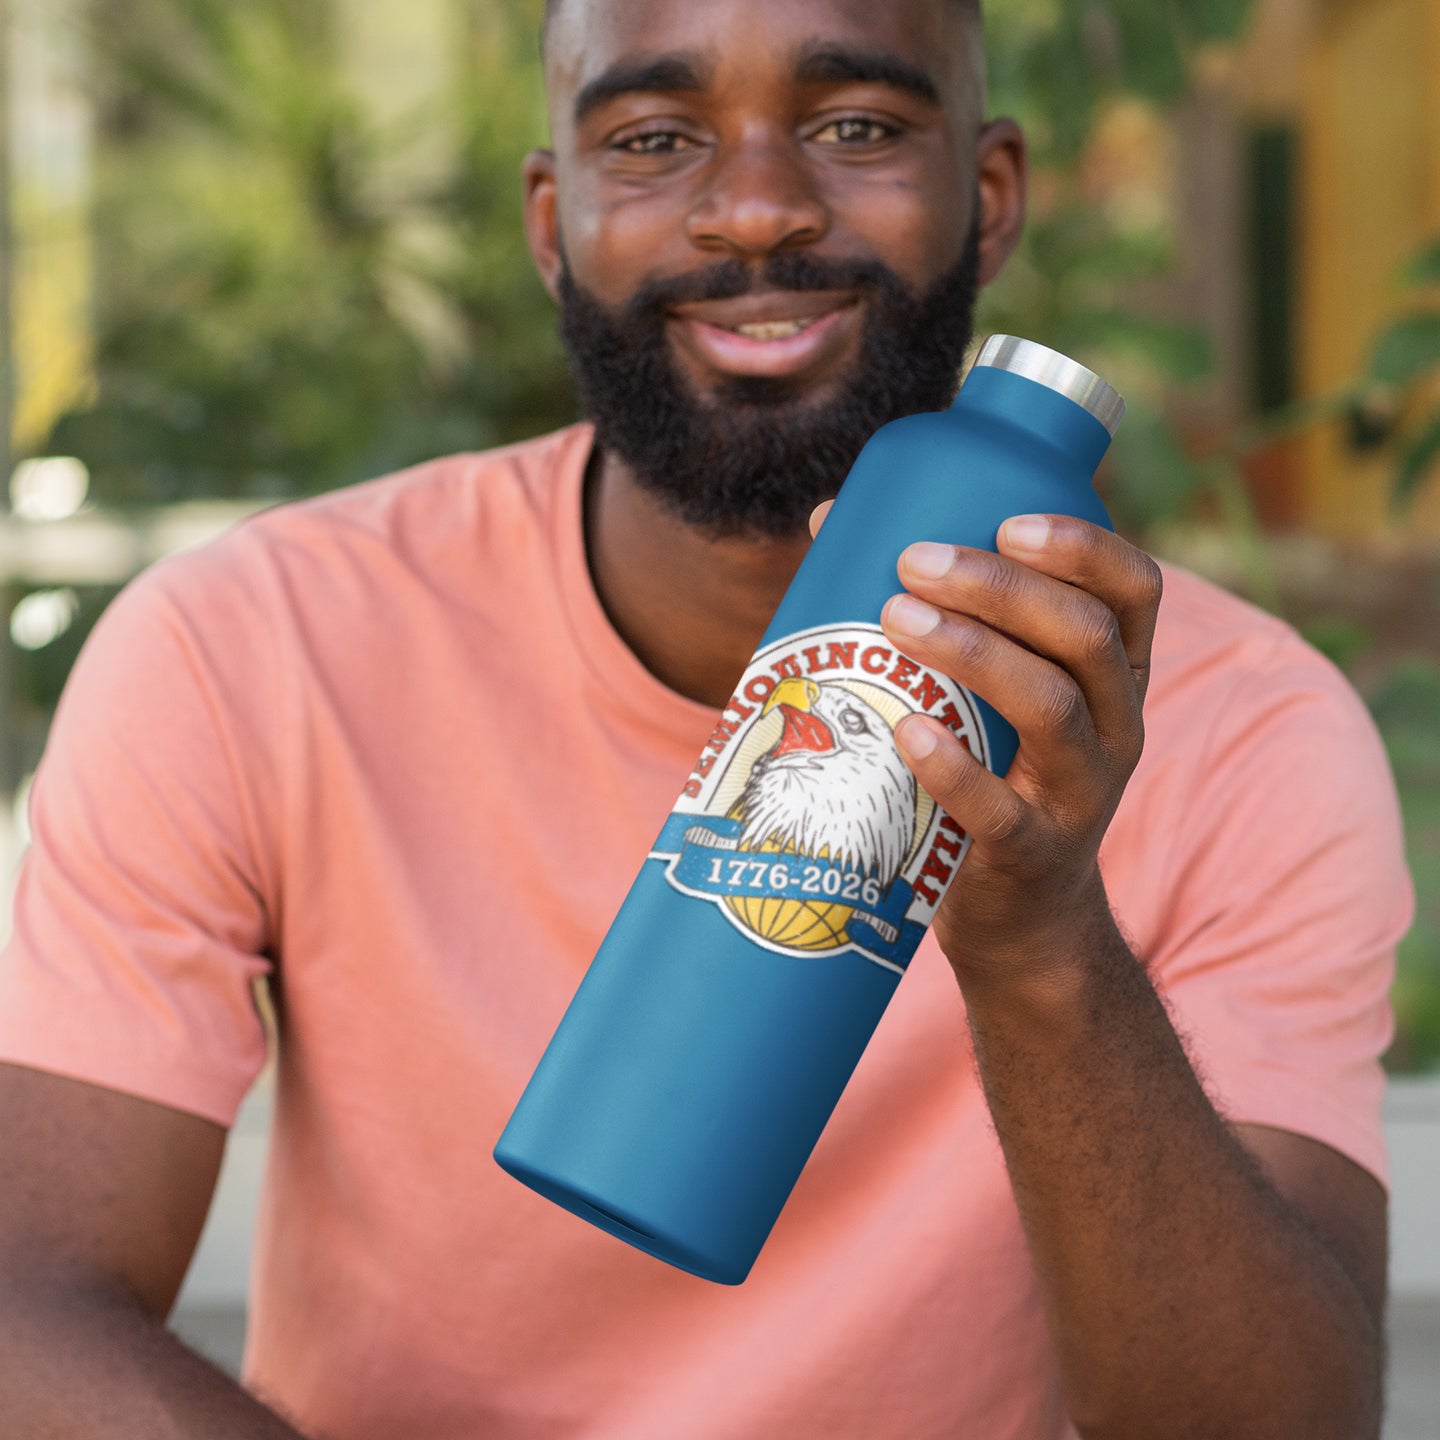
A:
757, 458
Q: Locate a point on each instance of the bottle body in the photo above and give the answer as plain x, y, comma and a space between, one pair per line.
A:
755, 954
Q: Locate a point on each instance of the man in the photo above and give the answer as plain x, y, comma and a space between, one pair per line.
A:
401, 750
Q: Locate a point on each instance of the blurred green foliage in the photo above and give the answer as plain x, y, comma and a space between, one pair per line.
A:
1393, 404
286, 304
1403, 695
295, 293
1406, 706
1072, 284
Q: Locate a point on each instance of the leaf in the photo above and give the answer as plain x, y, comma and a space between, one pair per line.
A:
1210, 21
1421, 455
1150, 476
1169, 349
1424, 269
1339, 638
1151, 61
1407, 349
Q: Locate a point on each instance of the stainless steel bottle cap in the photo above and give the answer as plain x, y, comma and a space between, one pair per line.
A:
1059, 372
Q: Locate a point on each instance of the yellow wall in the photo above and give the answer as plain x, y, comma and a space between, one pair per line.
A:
50, 265
1369, 198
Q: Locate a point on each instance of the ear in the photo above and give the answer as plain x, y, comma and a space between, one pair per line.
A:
1002, 169
541, 230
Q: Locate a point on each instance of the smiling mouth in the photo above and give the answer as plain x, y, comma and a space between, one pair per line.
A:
771, 336
774, 329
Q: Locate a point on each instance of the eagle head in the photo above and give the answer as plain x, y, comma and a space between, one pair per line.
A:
832, 784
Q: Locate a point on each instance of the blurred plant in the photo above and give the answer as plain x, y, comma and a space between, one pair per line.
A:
1055, 62
1405, 706
1405, 359
1394, 403
279, 312
282, 308
1065, 68
1403, 695
295, 294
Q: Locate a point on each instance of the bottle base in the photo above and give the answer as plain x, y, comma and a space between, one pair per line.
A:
631, 1229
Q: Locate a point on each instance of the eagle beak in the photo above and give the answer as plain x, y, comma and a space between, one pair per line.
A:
803, 730
796, 693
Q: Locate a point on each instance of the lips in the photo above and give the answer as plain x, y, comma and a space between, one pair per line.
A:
765, 308
777, 333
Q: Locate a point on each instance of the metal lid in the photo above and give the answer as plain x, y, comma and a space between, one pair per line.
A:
1059, 372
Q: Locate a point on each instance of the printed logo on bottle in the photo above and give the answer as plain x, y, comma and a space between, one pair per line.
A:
801, 822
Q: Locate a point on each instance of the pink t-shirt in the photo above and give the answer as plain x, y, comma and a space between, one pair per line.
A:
385, 748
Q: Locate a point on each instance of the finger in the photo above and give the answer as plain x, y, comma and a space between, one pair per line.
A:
1067, 625
1042, 702
982, 804
817, 516
1123, 577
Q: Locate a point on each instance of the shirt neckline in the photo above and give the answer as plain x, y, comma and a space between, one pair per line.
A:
612, 664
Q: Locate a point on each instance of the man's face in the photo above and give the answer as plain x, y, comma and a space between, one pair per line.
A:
764, 223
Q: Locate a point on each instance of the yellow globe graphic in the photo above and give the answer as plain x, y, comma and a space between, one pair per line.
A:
795, 924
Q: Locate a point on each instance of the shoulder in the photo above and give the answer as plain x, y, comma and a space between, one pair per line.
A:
1259, 760
1222, 664
440, 526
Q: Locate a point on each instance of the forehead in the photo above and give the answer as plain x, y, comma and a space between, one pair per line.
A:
730, 39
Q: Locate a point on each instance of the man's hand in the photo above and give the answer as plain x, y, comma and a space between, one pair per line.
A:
1198, 1278
1055, 632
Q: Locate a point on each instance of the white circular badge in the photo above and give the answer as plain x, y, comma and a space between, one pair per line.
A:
801, 822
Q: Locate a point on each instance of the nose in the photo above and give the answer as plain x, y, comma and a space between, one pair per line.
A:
758, 198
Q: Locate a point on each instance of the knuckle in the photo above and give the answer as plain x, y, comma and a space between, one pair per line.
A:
1099, 633
954, 781
976, 571
1085, 541
1008, 825
970, 640
1003, 580
959, 776
1150, 582
1061, 710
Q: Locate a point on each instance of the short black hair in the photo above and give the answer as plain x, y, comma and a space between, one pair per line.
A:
972, 7
971, 12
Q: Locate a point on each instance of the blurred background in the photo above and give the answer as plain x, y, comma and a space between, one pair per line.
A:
255, 250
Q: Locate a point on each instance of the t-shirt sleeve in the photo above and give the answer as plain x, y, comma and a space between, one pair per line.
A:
140, 922
1288, 898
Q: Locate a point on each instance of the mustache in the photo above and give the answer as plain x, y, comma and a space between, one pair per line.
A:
784, 271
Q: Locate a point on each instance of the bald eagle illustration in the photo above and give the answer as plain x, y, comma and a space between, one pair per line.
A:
833, 784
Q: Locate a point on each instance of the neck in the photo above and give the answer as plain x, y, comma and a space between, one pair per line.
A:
691, 607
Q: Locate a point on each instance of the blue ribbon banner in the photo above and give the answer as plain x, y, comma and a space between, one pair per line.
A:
704, 858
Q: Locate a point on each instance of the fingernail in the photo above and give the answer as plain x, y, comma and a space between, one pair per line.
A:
928, 560
911, 616
916, 739
1027, 532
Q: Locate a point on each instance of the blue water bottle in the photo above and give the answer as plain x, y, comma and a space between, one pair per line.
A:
772, 920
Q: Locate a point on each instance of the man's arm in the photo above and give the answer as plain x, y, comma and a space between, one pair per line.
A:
102, 1199
1197, 1281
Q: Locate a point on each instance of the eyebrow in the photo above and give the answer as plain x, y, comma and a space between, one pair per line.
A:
821, 64
831, 64
679, 73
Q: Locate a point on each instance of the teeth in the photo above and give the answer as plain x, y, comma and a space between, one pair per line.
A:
772, 329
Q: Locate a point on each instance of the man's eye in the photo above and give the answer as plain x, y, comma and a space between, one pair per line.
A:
655, 142
855, 130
